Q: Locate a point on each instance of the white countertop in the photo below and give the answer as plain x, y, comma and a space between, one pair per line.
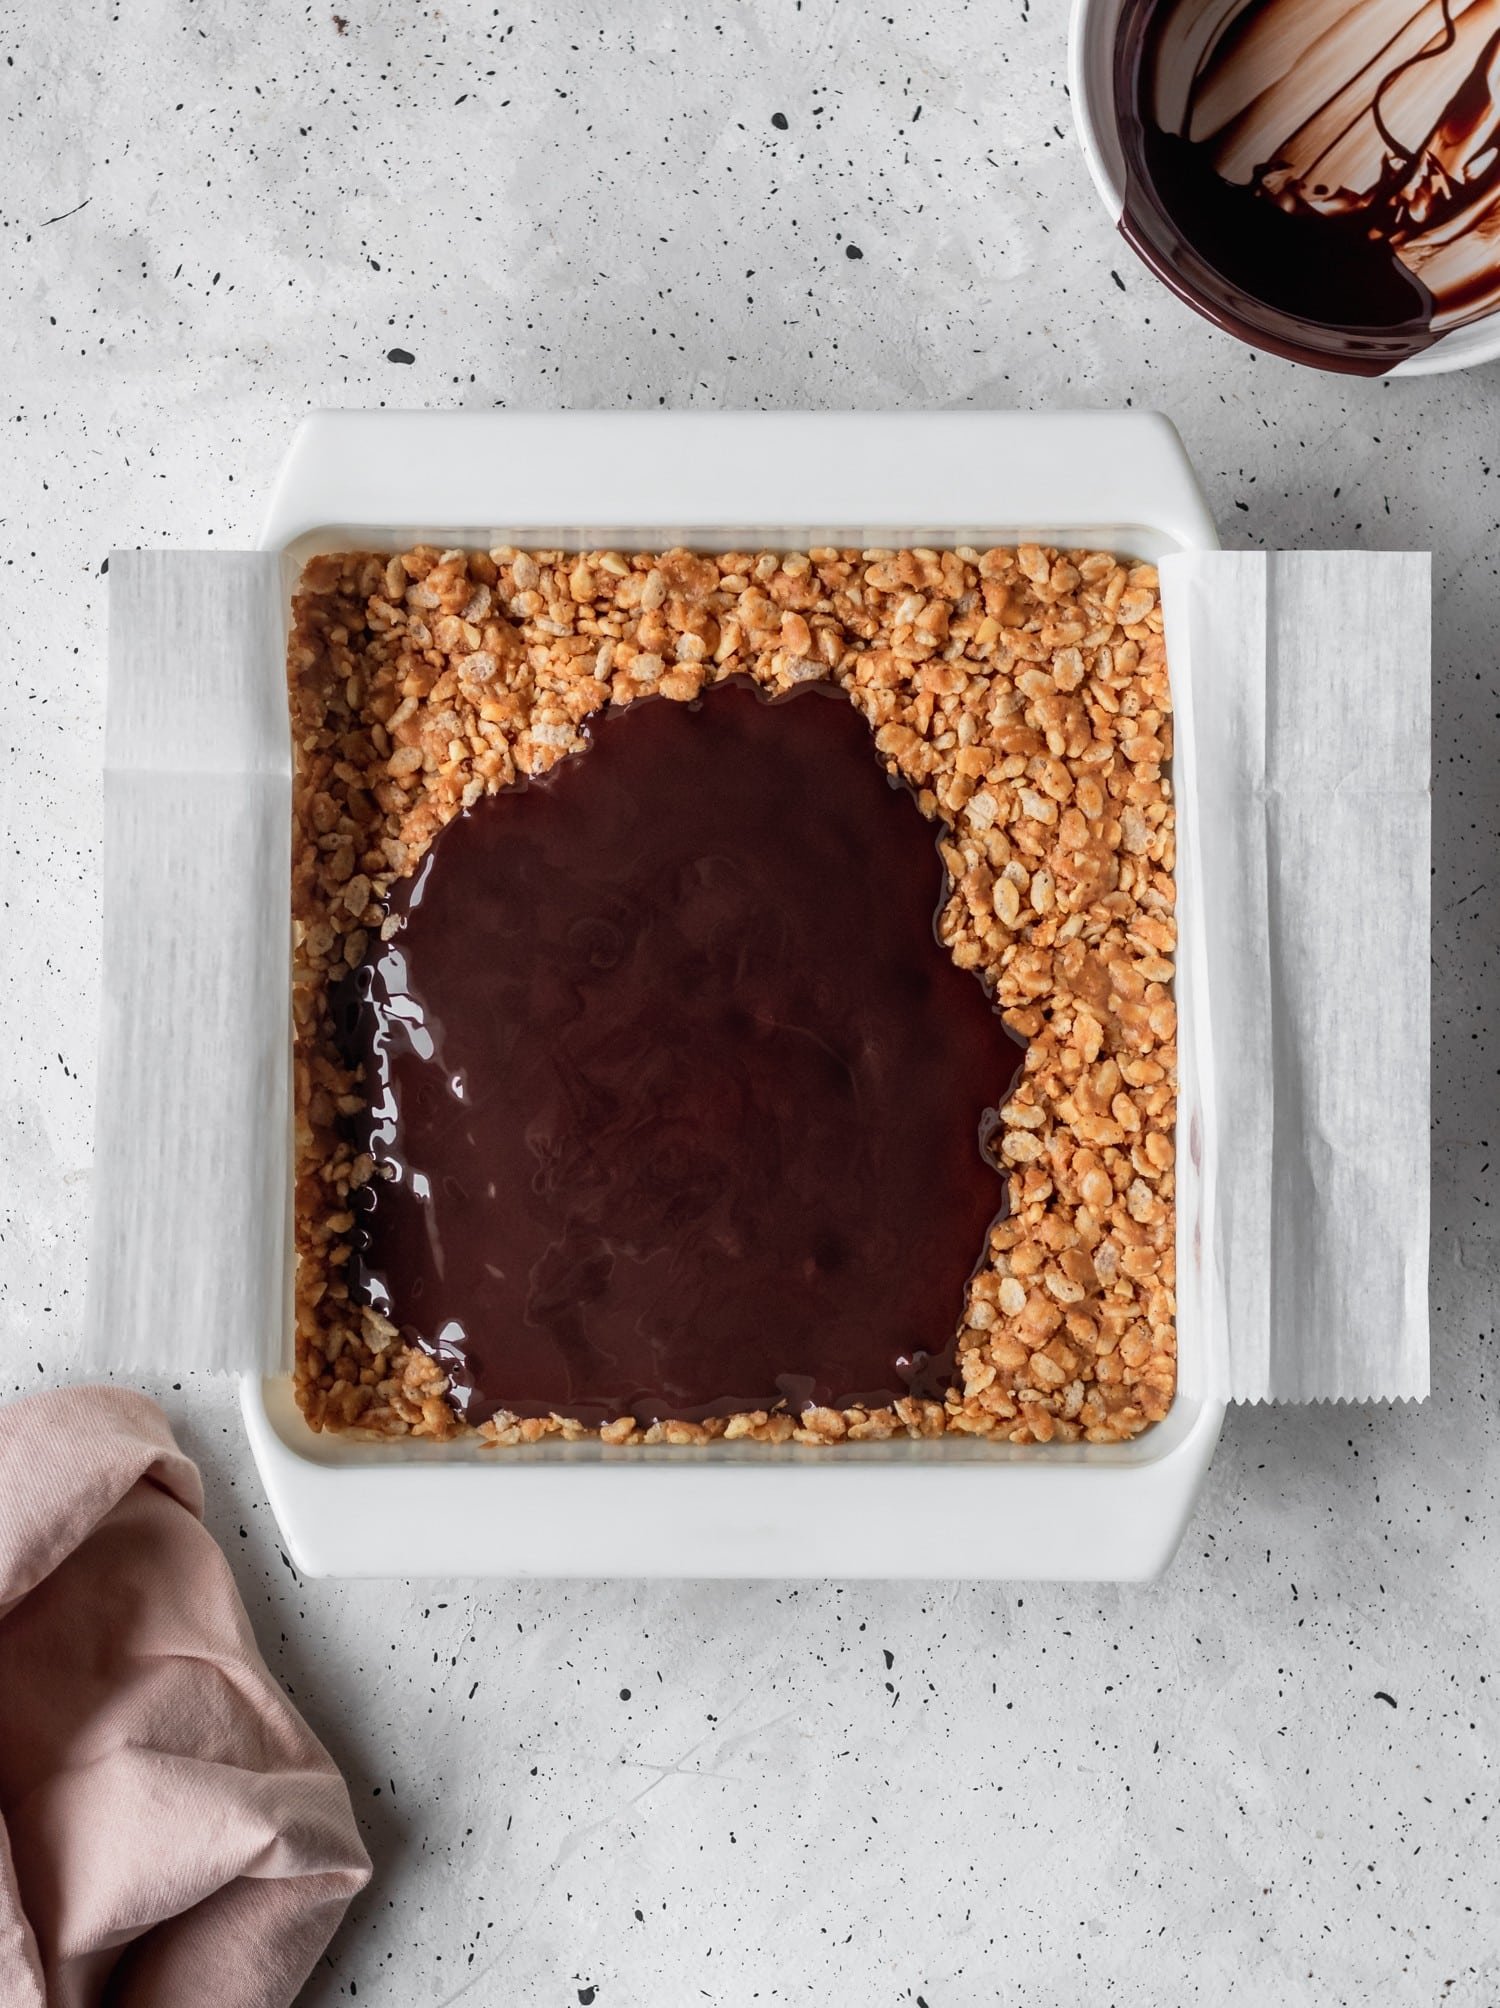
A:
1269, 1778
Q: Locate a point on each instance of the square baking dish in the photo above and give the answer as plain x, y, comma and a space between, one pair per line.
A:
943, 1507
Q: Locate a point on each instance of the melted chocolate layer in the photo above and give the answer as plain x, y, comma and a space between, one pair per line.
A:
1319, 176
679, 1104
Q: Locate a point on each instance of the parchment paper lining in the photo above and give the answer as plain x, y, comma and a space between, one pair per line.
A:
1302, 689
189, 1232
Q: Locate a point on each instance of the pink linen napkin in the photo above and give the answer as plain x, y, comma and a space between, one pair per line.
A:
171, 1832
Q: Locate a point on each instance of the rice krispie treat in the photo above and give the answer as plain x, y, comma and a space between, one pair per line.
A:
1022, 697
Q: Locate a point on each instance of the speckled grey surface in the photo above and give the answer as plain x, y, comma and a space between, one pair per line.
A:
1272, 1777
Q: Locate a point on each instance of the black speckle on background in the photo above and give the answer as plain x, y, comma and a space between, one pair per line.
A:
586, 1995
75, 209
1117, 279
853, 251
399, 356
780, 121
624, 1693
1381, 1695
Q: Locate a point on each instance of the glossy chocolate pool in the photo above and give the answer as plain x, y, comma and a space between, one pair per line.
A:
1320, 176
679, 1104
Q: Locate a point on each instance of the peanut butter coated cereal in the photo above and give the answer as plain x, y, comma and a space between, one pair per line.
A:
1023, 696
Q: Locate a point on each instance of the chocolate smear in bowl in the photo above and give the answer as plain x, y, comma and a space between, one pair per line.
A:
1322, 177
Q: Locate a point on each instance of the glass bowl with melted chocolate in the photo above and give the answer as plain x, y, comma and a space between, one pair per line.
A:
1318, 178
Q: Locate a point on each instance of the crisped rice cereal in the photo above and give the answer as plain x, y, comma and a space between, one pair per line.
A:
1023, 696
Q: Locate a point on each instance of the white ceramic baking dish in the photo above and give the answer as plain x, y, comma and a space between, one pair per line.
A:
944, 1508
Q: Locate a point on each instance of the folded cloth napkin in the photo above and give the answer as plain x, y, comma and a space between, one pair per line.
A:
171, 1832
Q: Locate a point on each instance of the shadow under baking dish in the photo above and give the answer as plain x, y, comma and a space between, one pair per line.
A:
942, 1506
